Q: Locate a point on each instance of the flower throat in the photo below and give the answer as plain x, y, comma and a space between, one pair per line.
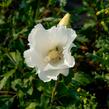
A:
54, 55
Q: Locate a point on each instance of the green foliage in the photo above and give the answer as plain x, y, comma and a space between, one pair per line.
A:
86, 86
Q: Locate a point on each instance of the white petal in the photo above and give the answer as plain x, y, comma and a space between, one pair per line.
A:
44, 40
68, 59
55, 67
32, 34
39, 39
51, 74
34, 59
65, 72
71, 37
28, 60
62, 36
48, 75
58, 35
43, 76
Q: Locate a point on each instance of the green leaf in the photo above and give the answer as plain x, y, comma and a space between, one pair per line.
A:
16, 83
82, 78
15, 57
6, 102
3, 82
5, 3
88, 24
30, 91
5, 78
107, 76
32, 105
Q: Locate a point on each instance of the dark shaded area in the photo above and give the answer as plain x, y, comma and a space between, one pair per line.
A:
101, 90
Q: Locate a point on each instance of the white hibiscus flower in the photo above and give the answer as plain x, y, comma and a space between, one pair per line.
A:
50, 51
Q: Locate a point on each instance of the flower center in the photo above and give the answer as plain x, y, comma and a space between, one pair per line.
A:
54, 55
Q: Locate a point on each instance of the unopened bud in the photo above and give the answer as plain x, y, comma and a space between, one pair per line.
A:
65, 20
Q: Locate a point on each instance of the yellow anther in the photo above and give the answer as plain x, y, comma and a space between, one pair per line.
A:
54, 55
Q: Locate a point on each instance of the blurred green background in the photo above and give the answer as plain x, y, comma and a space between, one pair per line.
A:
86, 86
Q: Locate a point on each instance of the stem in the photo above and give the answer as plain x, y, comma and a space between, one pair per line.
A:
54, 91
7, 93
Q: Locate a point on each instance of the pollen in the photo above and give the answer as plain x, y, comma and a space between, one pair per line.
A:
54, 55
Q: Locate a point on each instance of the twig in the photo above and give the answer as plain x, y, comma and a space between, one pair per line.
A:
7, 93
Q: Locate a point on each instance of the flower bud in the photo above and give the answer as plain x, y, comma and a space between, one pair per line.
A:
65, 20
